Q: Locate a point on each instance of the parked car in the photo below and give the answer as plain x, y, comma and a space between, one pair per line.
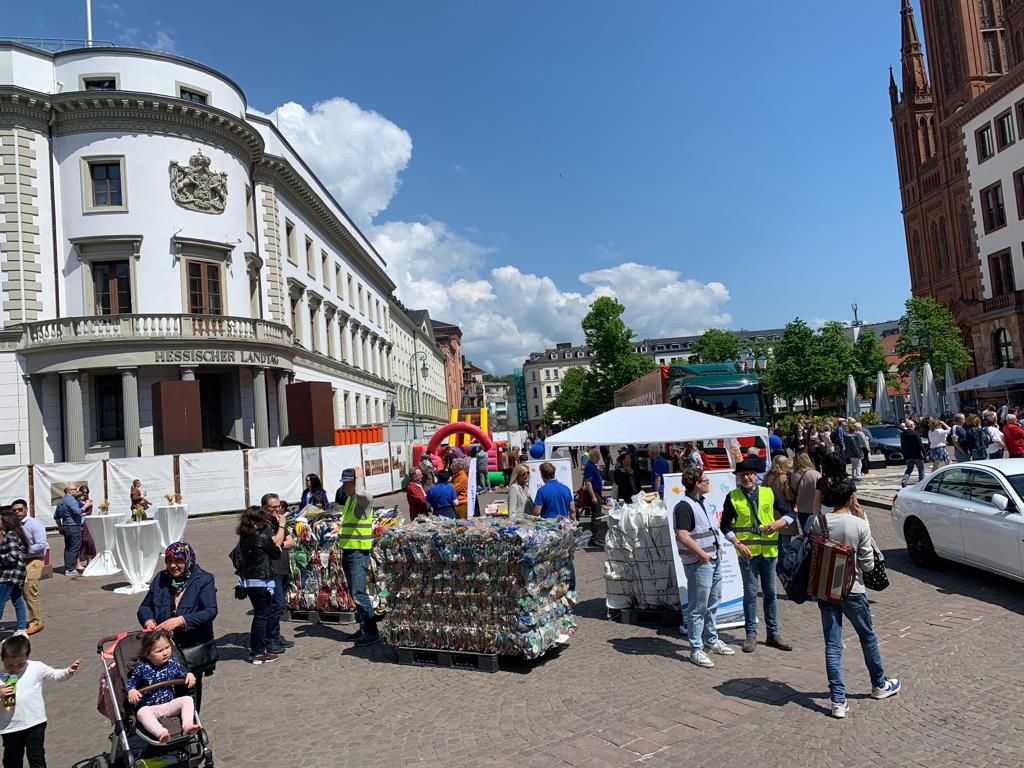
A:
971, 512
884, 440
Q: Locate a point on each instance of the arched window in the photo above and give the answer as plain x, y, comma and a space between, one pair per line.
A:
945, 242
967, 234
934, 147
1002, 348
936, 248
926, 150
918, 258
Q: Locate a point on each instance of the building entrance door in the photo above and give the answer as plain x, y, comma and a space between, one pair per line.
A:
213, 419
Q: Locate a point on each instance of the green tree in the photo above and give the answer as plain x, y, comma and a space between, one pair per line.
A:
716, 345
793, 360
834, 360
613, 363
570, 403
934, 326
869, 359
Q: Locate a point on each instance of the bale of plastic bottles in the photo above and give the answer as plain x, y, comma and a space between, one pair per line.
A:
479, 585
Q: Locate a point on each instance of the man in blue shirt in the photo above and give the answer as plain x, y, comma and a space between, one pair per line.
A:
593, 482
68, 517
441, 498
553, 499
659, 468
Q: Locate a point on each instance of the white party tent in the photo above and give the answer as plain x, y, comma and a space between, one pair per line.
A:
639, 424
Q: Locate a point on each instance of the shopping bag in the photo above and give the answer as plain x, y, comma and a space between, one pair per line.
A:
833, 567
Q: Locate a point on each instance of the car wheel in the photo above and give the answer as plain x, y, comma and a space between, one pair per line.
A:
919, 544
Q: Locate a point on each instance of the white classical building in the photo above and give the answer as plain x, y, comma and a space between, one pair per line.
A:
152, 230
418, 368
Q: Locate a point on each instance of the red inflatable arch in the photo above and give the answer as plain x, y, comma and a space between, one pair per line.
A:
459, 426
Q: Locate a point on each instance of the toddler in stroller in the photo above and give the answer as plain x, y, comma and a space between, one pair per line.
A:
145, 728
156, 664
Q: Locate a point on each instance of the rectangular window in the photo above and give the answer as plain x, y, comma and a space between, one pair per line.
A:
993, 58
1020, 117
193, 95
1018, 190
1000, 269
100, 83
314, 327
289, 242
108, 408
986, 146
112, 287
250, 214
310, 262
204, 294
535, 391
362, 302
325, 269
992, 209
351, 293
105, 188
339, 284
1004, 130
547, 390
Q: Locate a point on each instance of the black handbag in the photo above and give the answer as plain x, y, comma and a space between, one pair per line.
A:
877, 579
202, 657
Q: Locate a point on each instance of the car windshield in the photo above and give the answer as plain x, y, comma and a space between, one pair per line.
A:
731, 406
1017, 482
881, 433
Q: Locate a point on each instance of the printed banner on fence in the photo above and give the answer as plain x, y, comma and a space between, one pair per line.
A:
471, 489
401, 460
335, 459
730, 610
154, 473
49, 481
310, 463
13, 484
276, 470
212, 482
563, 474
377, 468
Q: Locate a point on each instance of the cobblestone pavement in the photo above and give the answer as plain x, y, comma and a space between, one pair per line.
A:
618, 695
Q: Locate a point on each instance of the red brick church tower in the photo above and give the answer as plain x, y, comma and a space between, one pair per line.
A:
966, 54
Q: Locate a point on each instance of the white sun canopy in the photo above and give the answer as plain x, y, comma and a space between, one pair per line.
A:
639, 424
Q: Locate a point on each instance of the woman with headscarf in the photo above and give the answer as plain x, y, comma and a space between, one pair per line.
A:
314, 493
183, 599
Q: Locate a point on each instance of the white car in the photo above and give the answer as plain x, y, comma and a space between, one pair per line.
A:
971, 512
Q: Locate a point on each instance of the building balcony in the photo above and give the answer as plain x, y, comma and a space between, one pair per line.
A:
1004, 301
97, 329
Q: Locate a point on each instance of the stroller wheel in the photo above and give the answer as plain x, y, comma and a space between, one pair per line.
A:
207, 759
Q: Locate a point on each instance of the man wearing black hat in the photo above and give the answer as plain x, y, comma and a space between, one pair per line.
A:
356, 541
751, 519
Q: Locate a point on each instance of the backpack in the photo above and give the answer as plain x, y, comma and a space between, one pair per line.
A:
969, 441
793, 568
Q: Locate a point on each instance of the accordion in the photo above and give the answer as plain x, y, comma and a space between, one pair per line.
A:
833, 569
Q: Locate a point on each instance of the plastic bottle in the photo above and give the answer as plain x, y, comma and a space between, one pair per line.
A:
9, 700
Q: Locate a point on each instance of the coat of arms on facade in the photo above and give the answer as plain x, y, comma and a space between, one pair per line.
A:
195, 186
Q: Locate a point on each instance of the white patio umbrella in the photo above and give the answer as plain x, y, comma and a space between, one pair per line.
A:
852, 401
952, 398
915, 395
930, 396
883, 408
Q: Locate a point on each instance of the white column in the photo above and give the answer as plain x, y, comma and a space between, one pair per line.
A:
261, 425
74, 426
130, 412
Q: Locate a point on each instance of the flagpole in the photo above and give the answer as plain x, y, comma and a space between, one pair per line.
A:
88, 23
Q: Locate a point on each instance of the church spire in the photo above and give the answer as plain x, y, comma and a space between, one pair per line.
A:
915, 80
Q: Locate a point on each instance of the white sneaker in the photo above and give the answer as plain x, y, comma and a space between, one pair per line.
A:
701, 659
720, 648
839, 710
890, 687
21, 632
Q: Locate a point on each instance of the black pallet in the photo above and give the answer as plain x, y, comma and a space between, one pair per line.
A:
428, 657
320, 617
664, 617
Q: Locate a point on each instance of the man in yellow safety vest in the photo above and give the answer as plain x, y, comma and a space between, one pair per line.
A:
751, 519
356, 541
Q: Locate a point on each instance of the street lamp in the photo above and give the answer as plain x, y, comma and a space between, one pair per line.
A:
762, 362
421, 355
745, 357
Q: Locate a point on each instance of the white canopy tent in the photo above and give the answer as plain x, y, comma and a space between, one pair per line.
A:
639, 424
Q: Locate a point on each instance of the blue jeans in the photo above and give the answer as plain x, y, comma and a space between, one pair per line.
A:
759, 568
858, 611
276, 608
911, 465
12, 592
261, 600
703, 594
355, 562
72, 546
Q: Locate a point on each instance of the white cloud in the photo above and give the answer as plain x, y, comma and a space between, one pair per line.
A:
357, 153
504, 312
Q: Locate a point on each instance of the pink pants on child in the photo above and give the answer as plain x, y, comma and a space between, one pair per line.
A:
183, 706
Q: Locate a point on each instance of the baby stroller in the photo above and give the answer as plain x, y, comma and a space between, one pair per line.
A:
131, 746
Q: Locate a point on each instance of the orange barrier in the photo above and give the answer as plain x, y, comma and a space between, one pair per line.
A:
357, 435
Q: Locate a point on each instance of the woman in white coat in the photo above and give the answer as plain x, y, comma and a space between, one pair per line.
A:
519, 501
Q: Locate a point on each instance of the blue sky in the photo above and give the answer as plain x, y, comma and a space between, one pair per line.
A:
738, 155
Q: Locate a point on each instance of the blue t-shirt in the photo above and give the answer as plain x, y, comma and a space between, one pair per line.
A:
593, 474
659, 469
442, 497
554, 498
